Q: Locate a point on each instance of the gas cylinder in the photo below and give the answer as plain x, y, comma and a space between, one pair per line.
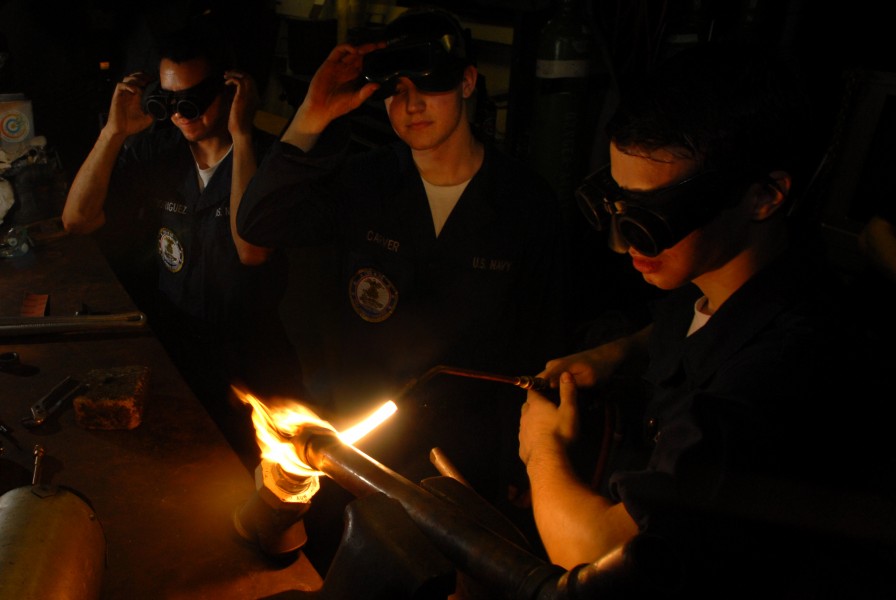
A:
51, 545
571, 79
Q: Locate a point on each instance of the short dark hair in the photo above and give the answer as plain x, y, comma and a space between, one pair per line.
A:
202, 39
733, 106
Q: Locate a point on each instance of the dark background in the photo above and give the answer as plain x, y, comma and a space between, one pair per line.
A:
55, 48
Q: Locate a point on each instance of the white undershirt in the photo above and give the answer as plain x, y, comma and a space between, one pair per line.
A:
442, 199
701, 316
206, 174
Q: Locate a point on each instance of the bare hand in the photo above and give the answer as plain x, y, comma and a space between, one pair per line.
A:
245, 102
546, 427
584, 367
126, 114
334, 90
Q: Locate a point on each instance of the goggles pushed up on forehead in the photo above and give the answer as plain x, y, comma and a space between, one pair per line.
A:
429, 65
655, 220
190, 103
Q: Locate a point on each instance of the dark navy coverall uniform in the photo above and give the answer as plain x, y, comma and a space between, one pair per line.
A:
216, 317
487, 294
745, 440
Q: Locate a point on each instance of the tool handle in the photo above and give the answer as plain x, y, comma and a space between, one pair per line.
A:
38, 458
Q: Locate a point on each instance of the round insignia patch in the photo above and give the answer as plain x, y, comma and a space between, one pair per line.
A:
373, 296
170, 250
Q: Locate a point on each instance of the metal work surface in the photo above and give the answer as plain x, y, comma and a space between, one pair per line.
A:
164, 492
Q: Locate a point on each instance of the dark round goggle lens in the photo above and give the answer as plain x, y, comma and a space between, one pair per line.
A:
188, 109
157, 107
189, 104
591, 206
161, 108
636, 236
646, 231
656, 220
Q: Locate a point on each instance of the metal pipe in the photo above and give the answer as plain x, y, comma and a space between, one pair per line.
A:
488, 558
74, 324
272, 517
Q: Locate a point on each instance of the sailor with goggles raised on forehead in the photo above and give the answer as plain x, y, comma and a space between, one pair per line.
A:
432, 63
161, 185
449, 247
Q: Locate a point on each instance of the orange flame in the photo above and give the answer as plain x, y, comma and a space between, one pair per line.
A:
274, 426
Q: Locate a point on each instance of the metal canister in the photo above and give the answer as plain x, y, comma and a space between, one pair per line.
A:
51, 545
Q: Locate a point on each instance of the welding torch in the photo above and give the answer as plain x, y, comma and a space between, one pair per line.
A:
525, 382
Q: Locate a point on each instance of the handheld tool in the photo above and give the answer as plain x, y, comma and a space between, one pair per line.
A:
53, 401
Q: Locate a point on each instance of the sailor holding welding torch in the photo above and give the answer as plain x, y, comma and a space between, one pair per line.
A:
724, 482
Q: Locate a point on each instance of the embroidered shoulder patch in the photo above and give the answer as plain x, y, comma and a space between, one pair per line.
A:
372, 295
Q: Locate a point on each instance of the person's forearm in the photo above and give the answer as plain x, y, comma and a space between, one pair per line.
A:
576, 524
635, 350
244, 167
597, 365
83, 210
621, 356
304, 129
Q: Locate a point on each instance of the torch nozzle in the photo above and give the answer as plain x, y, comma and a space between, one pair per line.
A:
538, 384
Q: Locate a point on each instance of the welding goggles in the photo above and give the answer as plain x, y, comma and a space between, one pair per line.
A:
190, 103
429, 64
655, 220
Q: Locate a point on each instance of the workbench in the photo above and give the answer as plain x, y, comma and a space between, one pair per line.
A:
164, 492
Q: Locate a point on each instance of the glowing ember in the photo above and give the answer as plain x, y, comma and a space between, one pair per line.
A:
274, 426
